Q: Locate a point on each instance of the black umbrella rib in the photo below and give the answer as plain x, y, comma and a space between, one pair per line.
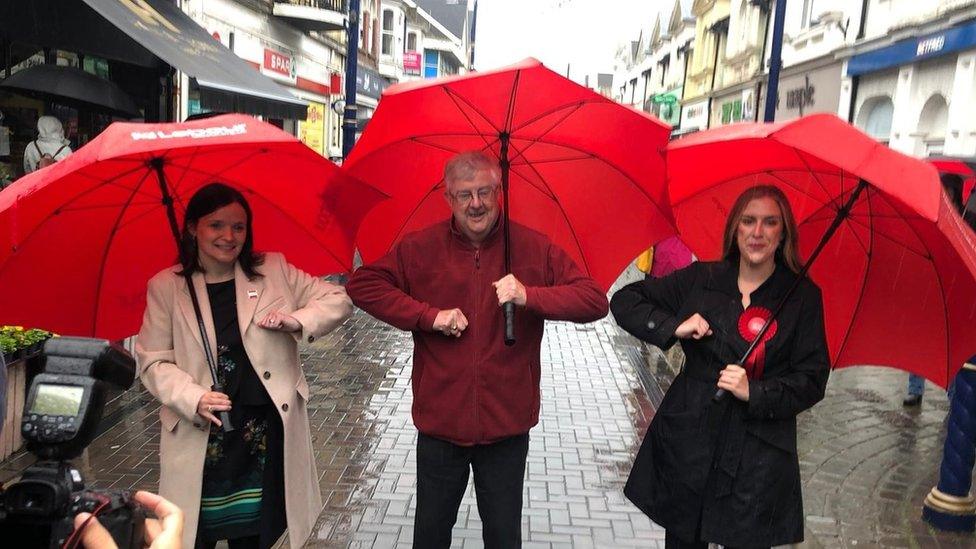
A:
799, 154
108, 246
433, 145
537, 139
579, 245
547, 191
864, 279
416, 139
112, 181
576, 105
511, 102
804, 191
748, 174
887, 238
65, 208
456, 98
608, 163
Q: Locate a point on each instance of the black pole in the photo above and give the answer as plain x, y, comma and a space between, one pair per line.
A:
5, 56
509, 307
157, 166
775, 61
349, 121
842, 214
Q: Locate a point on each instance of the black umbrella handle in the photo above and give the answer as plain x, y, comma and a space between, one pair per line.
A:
509, 310
225, 423
509, 307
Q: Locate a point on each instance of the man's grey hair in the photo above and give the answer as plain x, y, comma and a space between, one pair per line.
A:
466, 165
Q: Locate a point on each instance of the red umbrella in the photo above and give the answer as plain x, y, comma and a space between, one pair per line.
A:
80, 239
965, 168
898, 276
582, 169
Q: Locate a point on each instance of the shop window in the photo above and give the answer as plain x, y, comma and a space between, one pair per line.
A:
386, 47
364, 32
807, 15
875, 117
932, 123
431, 64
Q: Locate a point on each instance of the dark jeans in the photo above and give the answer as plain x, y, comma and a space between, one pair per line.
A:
672, 541
442, 477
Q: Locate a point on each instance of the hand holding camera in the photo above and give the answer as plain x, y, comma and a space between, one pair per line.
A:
163, 532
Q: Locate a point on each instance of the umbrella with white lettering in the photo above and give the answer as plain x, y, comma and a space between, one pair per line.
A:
80, 239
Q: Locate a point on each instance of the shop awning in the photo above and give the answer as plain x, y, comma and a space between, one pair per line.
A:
133, 30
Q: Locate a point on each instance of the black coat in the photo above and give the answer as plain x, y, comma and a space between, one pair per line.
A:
726, 472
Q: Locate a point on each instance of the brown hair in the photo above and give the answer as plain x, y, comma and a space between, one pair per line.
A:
787, 252
206, 201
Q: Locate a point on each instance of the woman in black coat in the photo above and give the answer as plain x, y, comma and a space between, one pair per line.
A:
727, 472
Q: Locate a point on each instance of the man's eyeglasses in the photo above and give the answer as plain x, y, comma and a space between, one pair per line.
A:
484, 193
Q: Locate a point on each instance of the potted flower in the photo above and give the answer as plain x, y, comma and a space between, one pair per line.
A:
17, 342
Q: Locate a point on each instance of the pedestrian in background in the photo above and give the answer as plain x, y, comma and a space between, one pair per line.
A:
256, 307
474, 398
49, 147
727, 472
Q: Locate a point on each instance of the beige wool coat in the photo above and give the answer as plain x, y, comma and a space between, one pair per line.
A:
172, 365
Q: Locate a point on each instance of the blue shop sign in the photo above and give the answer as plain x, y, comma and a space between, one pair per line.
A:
369, 82
914, 49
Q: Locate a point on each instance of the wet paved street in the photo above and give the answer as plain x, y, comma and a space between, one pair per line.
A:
867, 462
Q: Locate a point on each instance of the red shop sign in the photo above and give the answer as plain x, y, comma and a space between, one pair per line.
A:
277, 62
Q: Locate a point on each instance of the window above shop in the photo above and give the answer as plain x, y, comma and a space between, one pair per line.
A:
875, 117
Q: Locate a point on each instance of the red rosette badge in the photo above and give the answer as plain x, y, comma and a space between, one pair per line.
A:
751, 322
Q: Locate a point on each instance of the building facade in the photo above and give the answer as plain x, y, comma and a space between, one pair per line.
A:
912, 76
291, 46
708, 52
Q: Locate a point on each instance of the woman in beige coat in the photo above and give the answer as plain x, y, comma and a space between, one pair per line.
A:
256, 308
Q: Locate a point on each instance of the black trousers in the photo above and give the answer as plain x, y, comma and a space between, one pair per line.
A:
672, 541
443, 469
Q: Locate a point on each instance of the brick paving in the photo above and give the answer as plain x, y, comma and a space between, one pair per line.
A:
593, 413
867, 463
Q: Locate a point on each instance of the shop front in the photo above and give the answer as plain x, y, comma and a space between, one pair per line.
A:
735, 105
142, 47
310, 69
694, 116
667, 106
808, 88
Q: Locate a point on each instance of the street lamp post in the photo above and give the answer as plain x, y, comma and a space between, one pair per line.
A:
349, 121
950, 505
775, 61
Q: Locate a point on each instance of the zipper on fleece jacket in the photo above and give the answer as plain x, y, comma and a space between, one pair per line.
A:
477, 367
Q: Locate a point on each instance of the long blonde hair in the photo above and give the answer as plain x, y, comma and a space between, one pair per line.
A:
788, 250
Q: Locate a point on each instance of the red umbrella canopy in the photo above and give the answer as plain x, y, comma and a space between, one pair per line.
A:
899, 276
586, 171
80, 239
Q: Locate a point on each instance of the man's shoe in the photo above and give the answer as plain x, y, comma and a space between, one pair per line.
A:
912, 400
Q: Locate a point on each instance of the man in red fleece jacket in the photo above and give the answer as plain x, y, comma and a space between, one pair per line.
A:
475, 399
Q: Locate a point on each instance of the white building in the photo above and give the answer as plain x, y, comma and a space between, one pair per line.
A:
669, 51
912, 76
443, 30
300, 46
811, 79
393, 25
